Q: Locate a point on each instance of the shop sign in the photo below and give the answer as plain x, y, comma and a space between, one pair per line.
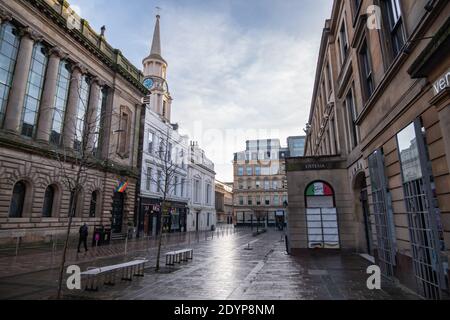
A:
442, 83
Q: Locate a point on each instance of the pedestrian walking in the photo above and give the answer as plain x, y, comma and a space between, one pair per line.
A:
84, 231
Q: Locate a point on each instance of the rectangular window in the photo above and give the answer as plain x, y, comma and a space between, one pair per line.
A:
175, 186
258, 171
394, 16
183, 181
124, 123
266, 184
258, 200
267, 201
83, 100
250, 201
343, 42
329, 78
258, 184
276, 200
159, 183
148, 180
98, 130
241, 200
240, 171
9, 45
352, 115
366, 70
34, 89
151, 139
249, 171
62, 93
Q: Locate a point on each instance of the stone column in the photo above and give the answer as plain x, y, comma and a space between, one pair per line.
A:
71, 109
93, 135
19, 84
47, 106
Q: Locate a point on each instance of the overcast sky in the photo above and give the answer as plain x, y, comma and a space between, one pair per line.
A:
238, 69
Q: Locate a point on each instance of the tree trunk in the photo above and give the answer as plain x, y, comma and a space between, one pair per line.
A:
161, 228
66, 245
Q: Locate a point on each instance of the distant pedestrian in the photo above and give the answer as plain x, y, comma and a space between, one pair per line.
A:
84, 231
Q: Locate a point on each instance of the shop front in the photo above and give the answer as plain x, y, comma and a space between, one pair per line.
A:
173, 221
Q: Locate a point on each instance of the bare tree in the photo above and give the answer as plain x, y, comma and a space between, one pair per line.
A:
168, 168
74, 157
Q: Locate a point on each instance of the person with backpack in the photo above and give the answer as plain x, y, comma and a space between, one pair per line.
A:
84, 231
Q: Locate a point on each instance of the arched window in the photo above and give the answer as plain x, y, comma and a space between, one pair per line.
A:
76, 209
17, 200
321, 216
49, 200
93, 205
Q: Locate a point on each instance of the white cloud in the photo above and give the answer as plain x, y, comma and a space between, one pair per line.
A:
231, 78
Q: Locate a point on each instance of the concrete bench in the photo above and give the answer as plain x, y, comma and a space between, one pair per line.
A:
179, 256
127, 270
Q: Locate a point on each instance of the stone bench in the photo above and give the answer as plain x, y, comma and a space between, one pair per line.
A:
179, 256
127, 270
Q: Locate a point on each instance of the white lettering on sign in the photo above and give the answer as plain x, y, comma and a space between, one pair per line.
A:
442, 83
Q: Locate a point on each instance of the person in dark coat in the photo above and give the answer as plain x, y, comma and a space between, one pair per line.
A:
84, 231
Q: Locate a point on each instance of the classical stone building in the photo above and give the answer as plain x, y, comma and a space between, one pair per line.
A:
58, 78
375, 178
260, 190
224, 202
202, 211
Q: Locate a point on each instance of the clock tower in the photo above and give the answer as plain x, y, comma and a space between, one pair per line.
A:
155, 72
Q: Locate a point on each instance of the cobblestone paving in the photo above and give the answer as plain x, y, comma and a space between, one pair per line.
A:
224, 269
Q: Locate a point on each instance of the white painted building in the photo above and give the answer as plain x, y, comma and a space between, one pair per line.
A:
158, 135
202, 212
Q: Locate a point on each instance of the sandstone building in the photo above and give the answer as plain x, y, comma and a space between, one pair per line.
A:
224, 202
375, 178
57, 75
260, 190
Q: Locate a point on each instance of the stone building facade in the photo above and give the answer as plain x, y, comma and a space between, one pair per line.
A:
58, 75
224, 202
202, 209
260, 190
378, 137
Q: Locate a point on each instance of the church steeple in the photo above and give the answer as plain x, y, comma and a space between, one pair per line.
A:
154, 64
156, 43
155, 73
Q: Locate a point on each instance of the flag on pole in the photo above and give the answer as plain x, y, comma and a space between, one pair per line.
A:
122, 187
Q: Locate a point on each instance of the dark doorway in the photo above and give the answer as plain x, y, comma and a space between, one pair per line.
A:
117, 212
196, 220
367, 227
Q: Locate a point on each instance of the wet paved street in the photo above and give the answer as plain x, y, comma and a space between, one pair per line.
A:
223, 268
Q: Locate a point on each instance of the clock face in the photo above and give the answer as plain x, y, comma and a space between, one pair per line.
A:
148, 83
